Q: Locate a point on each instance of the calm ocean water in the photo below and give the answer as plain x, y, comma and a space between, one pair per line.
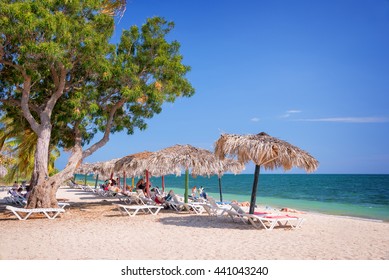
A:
364, 196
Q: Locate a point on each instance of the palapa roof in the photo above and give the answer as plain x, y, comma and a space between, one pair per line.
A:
134, 165
265, 151
172, 159
231, 165
104, 168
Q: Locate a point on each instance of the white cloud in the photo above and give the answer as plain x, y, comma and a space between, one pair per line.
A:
255, 119
293, 111
289, 113
349, 120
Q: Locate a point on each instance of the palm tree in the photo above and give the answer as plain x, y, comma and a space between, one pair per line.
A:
18, 143
114, 7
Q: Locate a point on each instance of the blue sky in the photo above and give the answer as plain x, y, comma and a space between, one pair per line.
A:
313, 73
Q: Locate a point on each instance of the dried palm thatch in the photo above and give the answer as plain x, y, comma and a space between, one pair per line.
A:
3, 171
173, 159
231, 165
104, 168
265, 151
134, 165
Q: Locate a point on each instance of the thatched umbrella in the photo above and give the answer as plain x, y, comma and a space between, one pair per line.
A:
104, 168
133, 165
172, 159
265, 151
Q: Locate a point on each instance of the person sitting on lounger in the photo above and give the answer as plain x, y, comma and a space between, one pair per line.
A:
141, 184
108, 186
162, 199
203, 194
15, 186
194, 193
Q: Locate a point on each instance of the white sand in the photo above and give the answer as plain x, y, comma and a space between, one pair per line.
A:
92, 229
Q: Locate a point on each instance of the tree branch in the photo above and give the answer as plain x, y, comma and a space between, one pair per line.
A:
60, 86
107, 131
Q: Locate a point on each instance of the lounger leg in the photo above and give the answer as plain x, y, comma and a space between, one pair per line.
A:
120, 210
17, 215
156, 211
53, 216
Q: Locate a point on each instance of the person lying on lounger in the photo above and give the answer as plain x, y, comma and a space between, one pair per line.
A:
291, 210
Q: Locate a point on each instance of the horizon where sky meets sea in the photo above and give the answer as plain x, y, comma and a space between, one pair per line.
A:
313, 73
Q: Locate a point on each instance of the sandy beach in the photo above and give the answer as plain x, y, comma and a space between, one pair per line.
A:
92, 228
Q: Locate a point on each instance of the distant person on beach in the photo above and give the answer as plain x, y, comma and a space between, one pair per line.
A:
194, 192
141, 184
291, 210
162, 199
15, 186
19, 191
108, 185
203, 194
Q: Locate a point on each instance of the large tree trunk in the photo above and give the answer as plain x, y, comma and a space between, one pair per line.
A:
41, 196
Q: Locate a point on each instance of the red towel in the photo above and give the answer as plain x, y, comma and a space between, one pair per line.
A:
280, 217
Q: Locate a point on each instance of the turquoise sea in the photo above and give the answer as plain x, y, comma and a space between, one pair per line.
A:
363, 196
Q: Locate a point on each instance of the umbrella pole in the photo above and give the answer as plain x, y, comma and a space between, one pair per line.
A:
86, 174
186, 185
163, 183
220, 189
147, 184
254, 191
124, 181
97, 178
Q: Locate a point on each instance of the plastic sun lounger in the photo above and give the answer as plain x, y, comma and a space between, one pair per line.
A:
268, 222
63, 204
213, 209
132, 210
195, 207
27, 212
237, 212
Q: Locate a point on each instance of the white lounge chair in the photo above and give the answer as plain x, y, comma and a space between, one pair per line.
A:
24, 213
237, 212
144, 199
268, 222
63, 204
132, 210
213, 209
178, 204
15, 198
196, 207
